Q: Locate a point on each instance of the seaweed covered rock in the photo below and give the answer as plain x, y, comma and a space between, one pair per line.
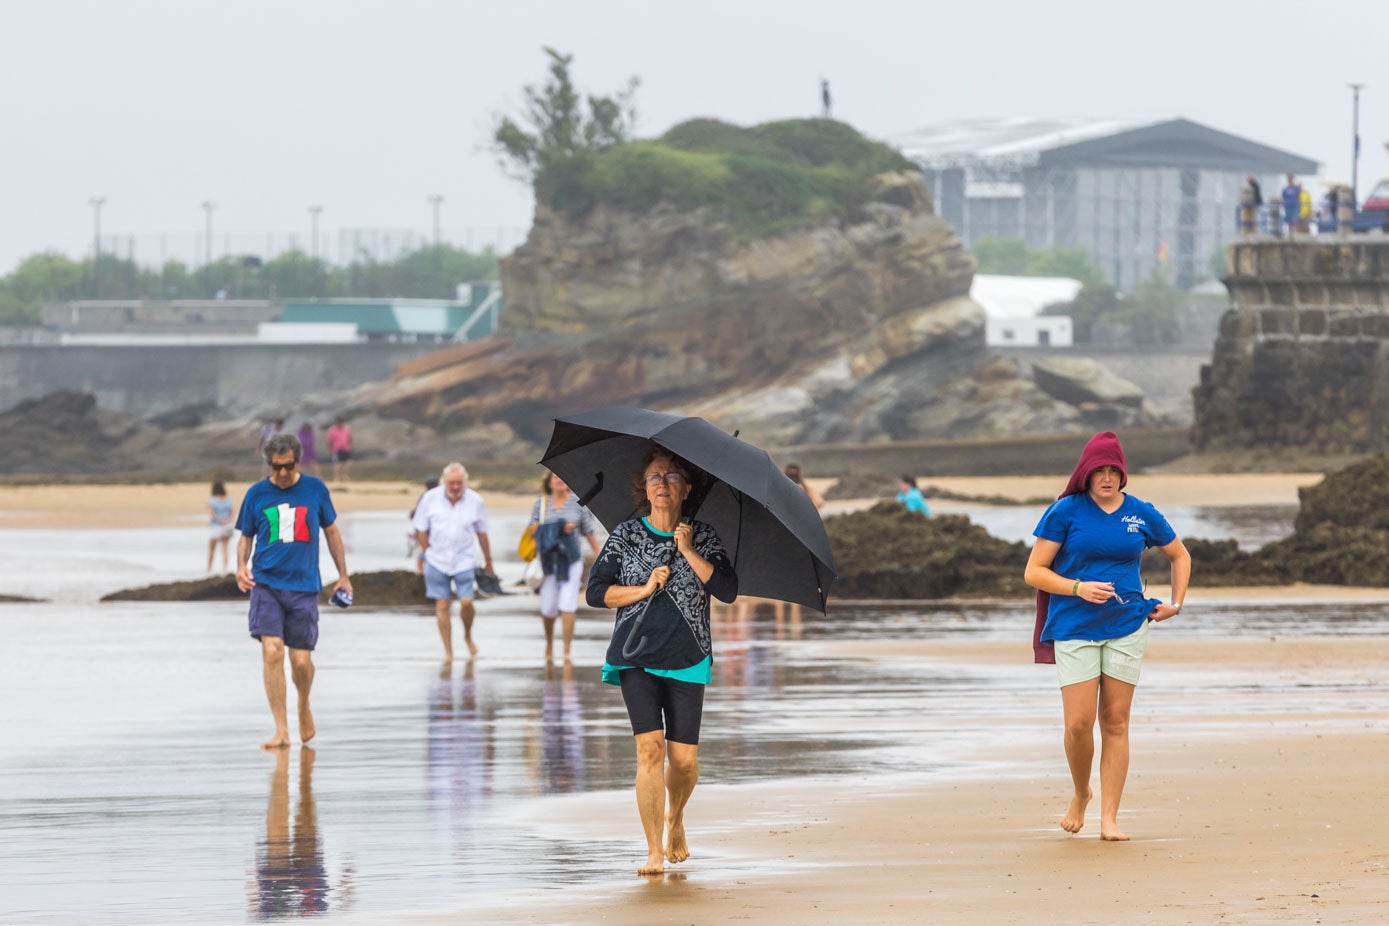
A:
214, 588
889, 552
388, 587
1357, 496
1219, 563
1333, 554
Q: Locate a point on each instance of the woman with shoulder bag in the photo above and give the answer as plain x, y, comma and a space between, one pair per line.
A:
559, 521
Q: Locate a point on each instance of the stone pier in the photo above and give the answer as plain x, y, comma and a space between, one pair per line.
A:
1302, 357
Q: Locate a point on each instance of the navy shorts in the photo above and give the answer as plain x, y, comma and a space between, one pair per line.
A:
291, 616
648, 697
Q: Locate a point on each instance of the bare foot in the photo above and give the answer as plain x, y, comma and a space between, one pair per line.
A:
472, 647
279, 741
1075, 814
655, 865
676, 848
1109, 831
306, 727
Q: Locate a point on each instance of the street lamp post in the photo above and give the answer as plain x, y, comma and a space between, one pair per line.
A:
1355, 150
437, 200
314, 212
96, 203
208, 206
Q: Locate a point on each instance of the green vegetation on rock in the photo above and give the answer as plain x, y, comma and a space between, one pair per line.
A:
759, 181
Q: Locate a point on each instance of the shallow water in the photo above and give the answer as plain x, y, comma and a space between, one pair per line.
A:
134, 791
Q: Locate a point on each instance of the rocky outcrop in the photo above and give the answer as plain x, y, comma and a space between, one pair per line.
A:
1302, 359
848, 330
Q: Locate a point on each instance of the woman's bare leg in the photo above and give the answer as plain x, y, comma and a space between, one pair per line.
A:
1078, 706
682, 774
1116, 702
566, 619
651, 797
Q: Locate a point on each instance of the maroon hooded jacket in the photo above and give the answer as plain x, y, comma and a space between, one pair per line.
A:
1102, 450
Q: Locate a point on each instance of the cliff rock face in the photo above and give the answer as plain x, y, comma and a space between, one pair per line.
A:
1302, 359
848, 330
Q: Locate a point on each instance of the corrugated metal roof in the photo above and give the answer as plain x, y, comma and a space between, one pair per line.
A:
1018, 139
1017, 142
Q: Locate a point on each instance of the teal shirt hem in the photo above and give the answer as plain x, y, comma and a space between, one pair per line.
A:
701, 673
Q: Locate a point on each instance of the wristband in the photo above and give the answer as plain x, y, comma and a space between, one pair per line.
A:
1075, 587
1177, 605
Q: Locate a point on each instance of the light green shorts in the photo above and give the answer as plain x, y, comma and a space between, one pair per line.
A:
1082, 660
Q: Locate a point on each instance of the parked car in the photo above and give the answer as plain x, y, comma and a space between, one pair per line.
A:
1374, 210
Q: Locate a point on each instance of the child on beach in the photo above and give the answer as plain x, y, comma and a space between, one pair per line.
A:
219, 525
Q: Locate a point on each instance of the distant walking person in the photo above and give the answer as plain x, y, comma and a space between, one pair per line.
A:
793, 472
449, 520
1093, 615
339, 438
825, 98
308, 441
281, 517
220, 524
268, 430
908, 494
560, 523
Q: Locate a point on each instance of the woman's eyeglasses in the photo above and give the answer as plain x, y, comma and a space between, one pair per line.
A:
670, 479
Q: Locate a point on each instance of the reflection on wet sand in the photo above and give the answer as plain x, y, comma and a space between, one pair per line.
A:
291, 878
561, 732
460, 758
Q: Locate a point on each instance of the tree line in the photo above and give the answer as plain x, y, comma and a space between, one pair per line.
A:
431, 272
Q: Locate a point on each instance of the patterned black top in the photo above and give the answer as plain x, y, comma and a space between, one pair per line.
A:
675, 620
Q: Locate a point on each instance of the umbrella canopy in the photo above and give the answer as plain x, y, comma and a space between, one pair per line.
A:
773, 533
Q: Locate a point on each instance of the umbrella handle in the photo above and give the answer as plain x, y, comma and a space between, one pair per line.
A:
597, 487
628, 651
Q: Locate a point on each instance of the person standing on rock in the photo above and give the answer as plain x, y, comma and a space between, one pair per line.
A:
1093, 616
449, 520
281, 517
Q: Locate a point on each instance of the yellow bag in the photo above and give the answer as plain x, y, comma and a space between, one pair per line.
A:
525, 547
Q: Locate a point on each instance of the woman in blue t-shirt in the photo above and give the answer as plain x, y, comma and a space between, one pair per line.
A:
1085, 565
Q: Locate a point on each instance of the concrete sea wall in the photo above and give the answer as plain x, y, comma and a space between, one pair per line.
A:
144, 381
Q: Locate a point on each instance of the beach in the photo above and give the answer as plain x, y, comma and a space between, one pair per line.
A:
899, 762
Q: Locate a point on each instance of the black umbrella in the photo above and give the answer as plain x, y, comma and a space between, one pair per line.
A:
773, 534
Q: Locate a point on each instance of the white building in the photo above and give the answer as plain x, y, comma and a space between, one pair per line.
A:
1013, 310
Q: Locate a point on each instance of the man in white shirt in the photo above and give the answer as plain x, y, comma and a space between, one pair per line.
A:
449, 520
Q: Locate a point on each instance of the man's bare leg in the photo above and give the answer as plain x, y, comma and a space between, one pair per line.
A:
651, 797
272, 652
465, 611
441, 617
301, 669
1078, 706
682, 773
567, 624
1116, 701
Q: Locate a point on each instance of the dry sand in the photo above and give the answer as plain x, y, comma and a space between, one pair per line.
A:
164, 504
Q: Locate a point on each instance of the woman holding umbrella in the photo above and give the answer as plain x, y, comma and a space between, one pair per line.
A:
659, 572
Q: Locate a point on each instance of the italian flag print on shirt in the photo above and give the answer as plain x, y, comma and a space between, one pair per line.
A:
288, 524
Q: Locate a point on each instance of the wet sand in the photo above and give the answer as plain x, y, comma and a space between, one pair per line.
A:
1255, 794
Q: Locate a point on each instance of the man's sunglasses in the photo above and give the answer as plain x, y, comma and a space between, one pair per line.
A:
282, 466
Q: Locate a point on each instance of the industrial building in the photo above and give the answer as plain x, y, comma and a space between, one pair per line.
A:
1134, 194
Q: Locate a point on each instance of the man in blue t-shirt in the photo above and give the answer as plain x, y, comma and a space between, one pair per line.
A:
283, 515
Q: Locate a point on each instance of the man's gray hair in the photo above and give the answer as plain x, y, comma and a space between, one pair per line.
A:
283, 442
458, 468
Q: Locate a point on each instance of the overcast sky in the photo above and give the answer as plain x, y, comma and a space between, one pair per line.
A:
368, 108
